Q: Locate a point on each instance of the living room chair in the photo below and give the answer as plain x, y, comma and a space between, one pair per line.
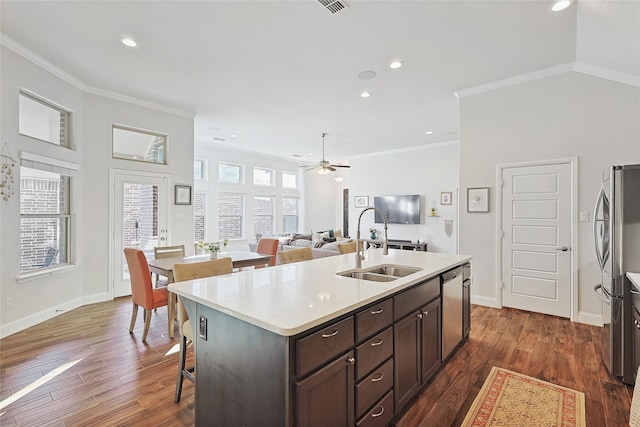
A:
182, 272
295, 255
167, 252
143, 294
347, 248
267, 246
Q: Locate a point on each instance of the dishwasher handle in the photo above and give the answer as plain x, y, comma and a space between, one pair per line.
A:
451, 274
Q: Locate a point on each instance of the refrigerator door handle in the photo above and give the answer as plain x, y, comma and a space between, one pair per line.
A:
602, 297
598, 228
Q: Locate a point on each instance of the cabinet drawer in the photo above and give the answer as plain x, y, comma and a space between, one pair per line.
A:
323, 345
380, 415
412, 299
373, 387
373, 319
372, 352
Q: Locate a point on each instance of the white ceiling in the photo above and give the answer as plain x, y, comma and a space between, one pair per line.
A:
280, 73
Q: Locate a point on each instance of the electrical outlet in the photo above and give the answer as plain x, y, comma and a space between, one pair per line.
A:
584, 216
9, 302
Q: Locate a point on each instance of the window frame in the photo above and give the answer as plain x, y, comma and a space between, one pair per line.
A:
204, 176
297, 216
243, 215
297, 177
272, 199
272, 177
69, 171
53, 106
240, 173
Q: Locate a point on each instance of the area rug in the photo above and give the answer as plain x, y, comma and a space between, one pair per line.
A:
511, 399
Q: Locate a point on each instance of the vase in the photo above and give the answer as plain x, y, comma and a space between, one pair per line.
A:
373, 236
213, 255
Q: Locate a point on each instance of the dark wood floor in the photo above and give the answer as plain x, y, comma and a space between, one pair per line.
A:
120, 381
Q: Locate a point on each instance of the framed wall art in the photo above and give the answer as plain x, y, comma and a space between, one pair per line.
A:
361, 201
182, 195
446, 198
478, 199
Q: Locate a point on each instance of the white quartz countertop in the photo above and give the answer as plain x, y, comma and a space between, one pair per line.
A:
292, 298
635, 279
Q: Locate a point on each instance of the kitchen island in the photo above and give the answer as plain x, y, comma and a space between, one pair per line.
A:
298, 344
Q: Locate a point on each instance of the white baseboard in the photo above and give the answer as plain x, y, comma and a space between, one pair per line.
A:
485, 301
49, 313
589, 318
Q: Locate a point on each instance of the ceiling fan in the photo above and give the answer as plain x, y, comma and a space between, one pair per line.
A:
324, 167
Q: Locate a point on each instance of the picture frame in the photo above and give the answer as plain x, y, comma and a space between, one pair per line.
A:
446, 198
182, 195
361, 201
478, 199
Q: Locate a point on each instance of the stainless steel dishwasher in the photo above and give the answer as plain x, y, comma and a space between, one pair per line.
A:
451, 310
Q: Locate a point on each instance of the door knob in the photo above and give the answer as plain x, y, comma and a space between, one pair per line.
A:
562, 248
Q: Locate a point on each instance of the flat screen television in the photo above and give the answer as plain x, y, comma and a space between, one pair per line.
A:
398, 209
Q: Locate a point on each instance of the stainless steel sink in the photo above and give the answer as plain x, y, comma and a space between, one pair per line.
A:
380, 273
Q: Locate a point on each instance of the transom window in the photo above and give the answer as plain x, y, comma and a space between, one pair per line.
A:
199, 169
289, 180
230, 173
42, 120
263, 177
139, 145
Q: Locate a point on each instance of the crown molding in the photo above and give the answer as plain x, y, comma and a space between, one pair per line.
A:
206, 145
26, 53
603, 73
404, 150
516, 80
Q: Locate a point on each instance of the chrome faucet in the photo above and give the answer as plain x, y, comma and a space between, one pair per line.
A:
359, 250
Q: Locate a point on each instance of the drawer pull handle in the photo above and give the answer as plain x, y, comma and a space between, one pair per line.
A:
331, 334
377, 414
377, 342
377, 378
378, 311
419, 315
637, 324
351, 360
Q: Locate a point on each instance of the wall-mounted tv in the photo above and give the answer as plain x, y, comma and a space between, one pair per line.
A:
398, 209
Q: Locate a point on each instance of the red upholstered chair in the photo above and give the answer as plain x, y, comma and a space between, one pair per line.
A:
268, 247
143, 293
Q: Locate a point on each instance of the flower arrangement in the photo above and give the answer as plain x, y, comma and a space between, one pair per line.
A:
201, 246
372, 230
225, 242
213, 247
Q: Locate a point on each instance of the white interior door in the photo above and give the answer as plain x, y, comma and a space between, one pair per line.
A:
138, 220
536, 243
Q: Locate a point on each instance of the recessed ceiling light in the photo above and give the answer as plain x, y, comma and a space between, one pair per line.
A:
365, 94
366, 75
233, 135
559, 5
429, 132
395, 64
129, 42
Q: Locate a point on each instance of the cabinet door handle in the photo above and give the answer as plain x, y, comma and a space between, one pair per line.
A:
635, 322
420, 315
426, 313
378, 311
331, 334
377, 342
377, 414
379, 376
351, 360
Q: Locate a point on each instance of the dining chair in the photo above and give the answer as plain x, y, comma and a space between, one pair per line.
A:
268, 246
295, 255
143, 293
167, 252
347, 248
182, 272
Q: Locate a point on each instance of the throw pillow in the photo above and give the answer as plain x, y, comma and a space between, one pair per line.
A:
327, 231
301, 243
317, 238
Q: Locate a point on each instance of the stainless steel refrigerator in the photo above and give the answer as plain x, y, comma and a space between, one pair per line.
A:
616, 227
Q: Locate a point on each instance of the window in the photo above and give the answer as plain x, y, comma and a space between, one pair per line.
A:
139, 145
290, 215
229, 173
199, 216
45, 212
199, 169
230, 215
42, 120
263, 177
289, 180
263, 211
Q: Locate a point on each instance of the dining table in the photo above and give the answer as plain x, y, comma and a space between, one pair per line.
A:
239, 259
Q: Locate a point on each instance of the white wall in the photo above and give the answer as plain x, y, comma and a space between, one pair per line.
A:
428, 171
92, 116
563, 116
323, 201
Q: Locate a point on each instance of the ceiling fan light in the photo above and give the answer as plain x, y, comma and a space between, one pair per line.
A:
339, 179
323, 171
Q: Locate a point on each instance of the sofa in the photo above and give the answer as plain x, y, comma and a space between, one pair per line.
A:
323, 244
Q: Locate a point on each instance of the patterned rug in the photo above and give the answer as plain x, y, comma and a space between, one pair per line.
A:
511, 399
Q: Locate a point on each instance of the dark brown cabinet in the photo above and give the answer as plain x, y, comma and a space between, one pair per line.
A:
326, 397
417, 351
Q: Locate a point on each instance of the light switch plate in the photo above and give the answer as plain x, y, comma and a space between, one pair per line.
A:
203, 328
584, 216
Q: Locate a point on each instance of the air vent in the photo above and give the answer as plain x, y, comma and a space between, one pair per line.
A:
215, 138
333, 6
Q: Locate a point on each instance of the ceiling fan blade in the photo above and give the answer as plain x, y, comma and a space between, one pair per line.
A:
332, 169
341, 166
310, 168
